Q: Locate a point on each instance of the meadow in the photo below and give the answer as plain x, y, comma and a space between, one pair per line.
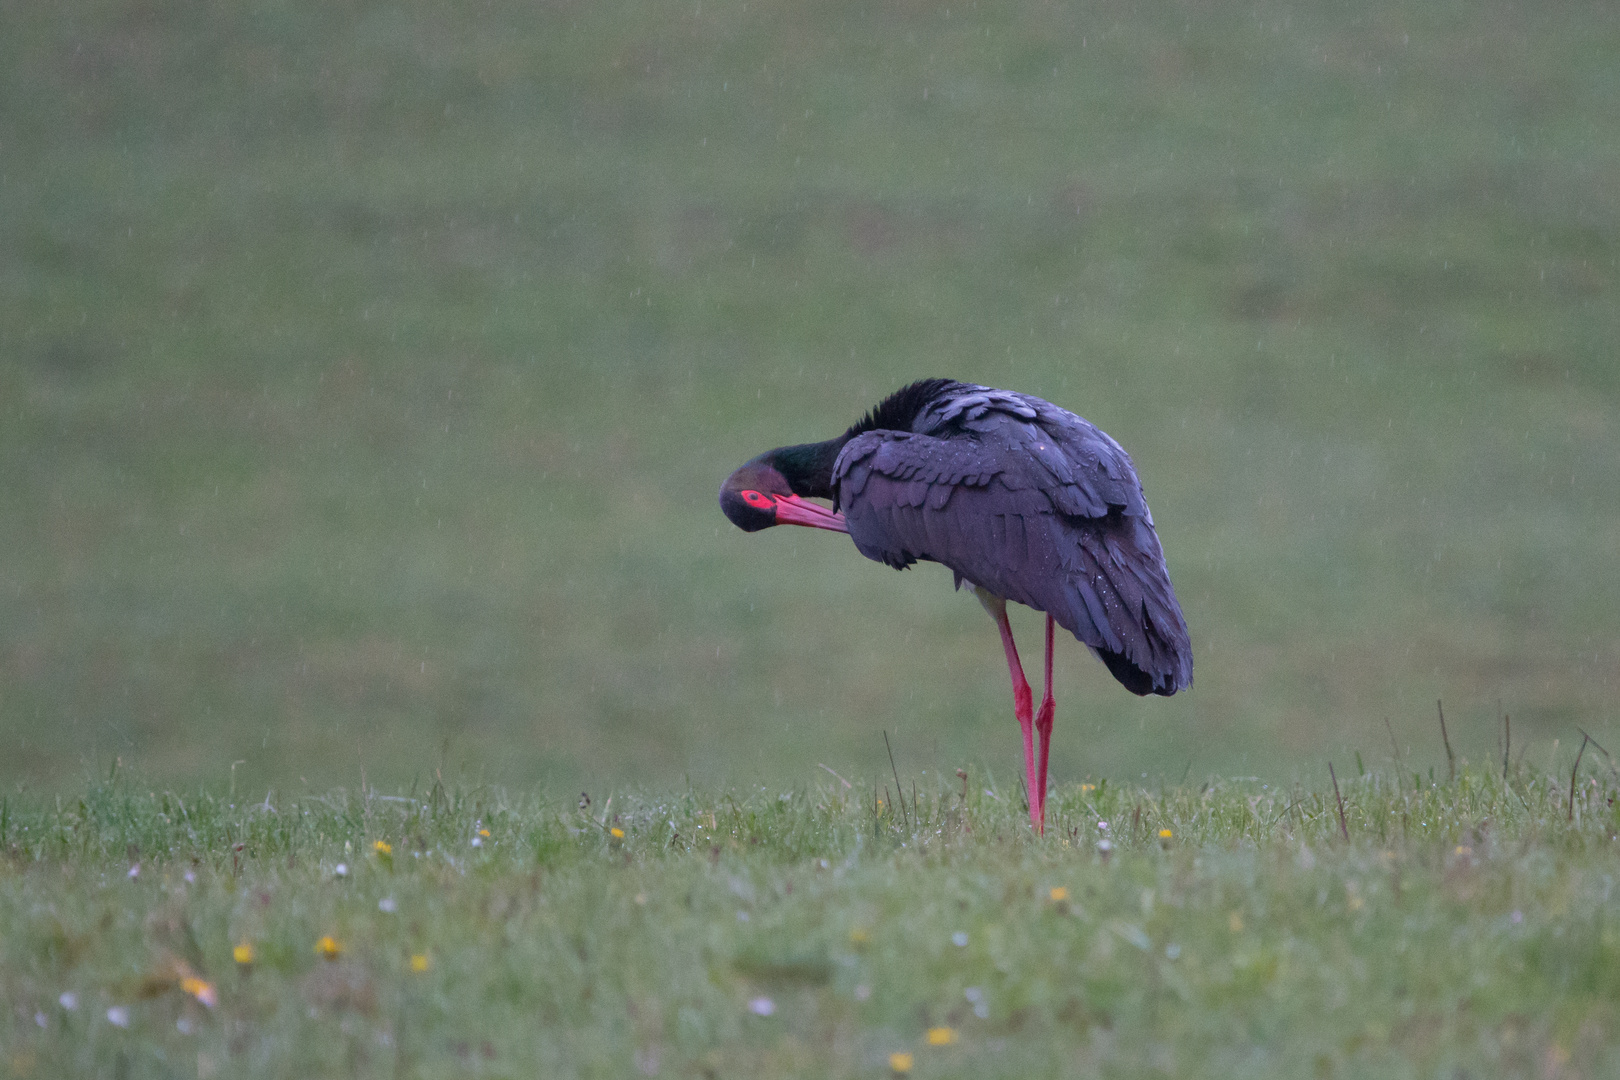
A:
1459, 928
367, 373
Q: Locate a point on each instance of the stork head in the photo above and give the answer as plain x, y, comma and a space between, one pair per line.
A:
758, 496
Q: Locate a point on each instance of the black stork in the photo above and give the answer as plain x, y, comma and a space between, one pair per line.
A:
1021, 499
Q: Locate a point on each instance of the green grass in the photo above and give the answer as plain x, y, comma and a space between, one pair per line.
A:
366, 376
367, 373
1466, 928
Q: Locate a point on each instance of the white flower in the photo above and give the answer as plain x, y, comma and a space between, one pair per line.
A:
762, 1006
118, 1016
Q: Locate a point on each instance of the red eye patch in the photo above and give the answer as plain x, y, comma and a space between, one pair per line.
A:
757, 500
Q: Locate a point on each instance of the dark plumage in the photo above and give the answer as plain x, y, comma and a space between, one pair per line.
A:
1023, 500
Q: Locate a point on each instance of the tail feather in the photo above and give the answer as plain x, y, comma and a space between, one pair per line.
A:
1145, 644
1129, 675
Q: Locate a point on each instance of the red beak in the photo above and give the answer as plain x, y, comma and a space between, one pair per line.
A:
792, 510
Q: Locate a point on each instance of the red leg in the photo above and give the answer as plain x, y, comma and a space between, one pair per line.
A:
1023, 701
1043, 720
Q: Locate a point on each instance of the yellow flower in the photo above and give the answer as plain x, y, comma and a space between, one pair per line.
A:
860, 936
901, 1062
1165, 834
1088, 787
1059, 894
383, 847
941, 1036
201, 989
243, 953
484, 833
328, 948
420, 962
616, 832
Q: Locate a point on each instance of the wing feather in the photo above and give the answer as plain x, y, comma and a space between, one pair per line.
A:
1033, 503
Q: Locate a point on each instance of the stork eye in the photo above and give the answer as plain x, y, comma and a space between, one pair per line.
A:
758, 501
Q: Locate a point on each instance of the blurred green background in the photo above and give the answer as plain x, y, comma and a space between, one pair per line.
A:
367, 373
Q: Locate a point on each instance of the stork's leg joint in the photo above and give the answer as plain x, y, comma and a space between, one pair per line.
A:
1023, 705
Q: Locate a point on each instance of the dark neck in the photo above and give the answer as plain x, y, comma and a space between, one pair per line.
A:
808, 467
